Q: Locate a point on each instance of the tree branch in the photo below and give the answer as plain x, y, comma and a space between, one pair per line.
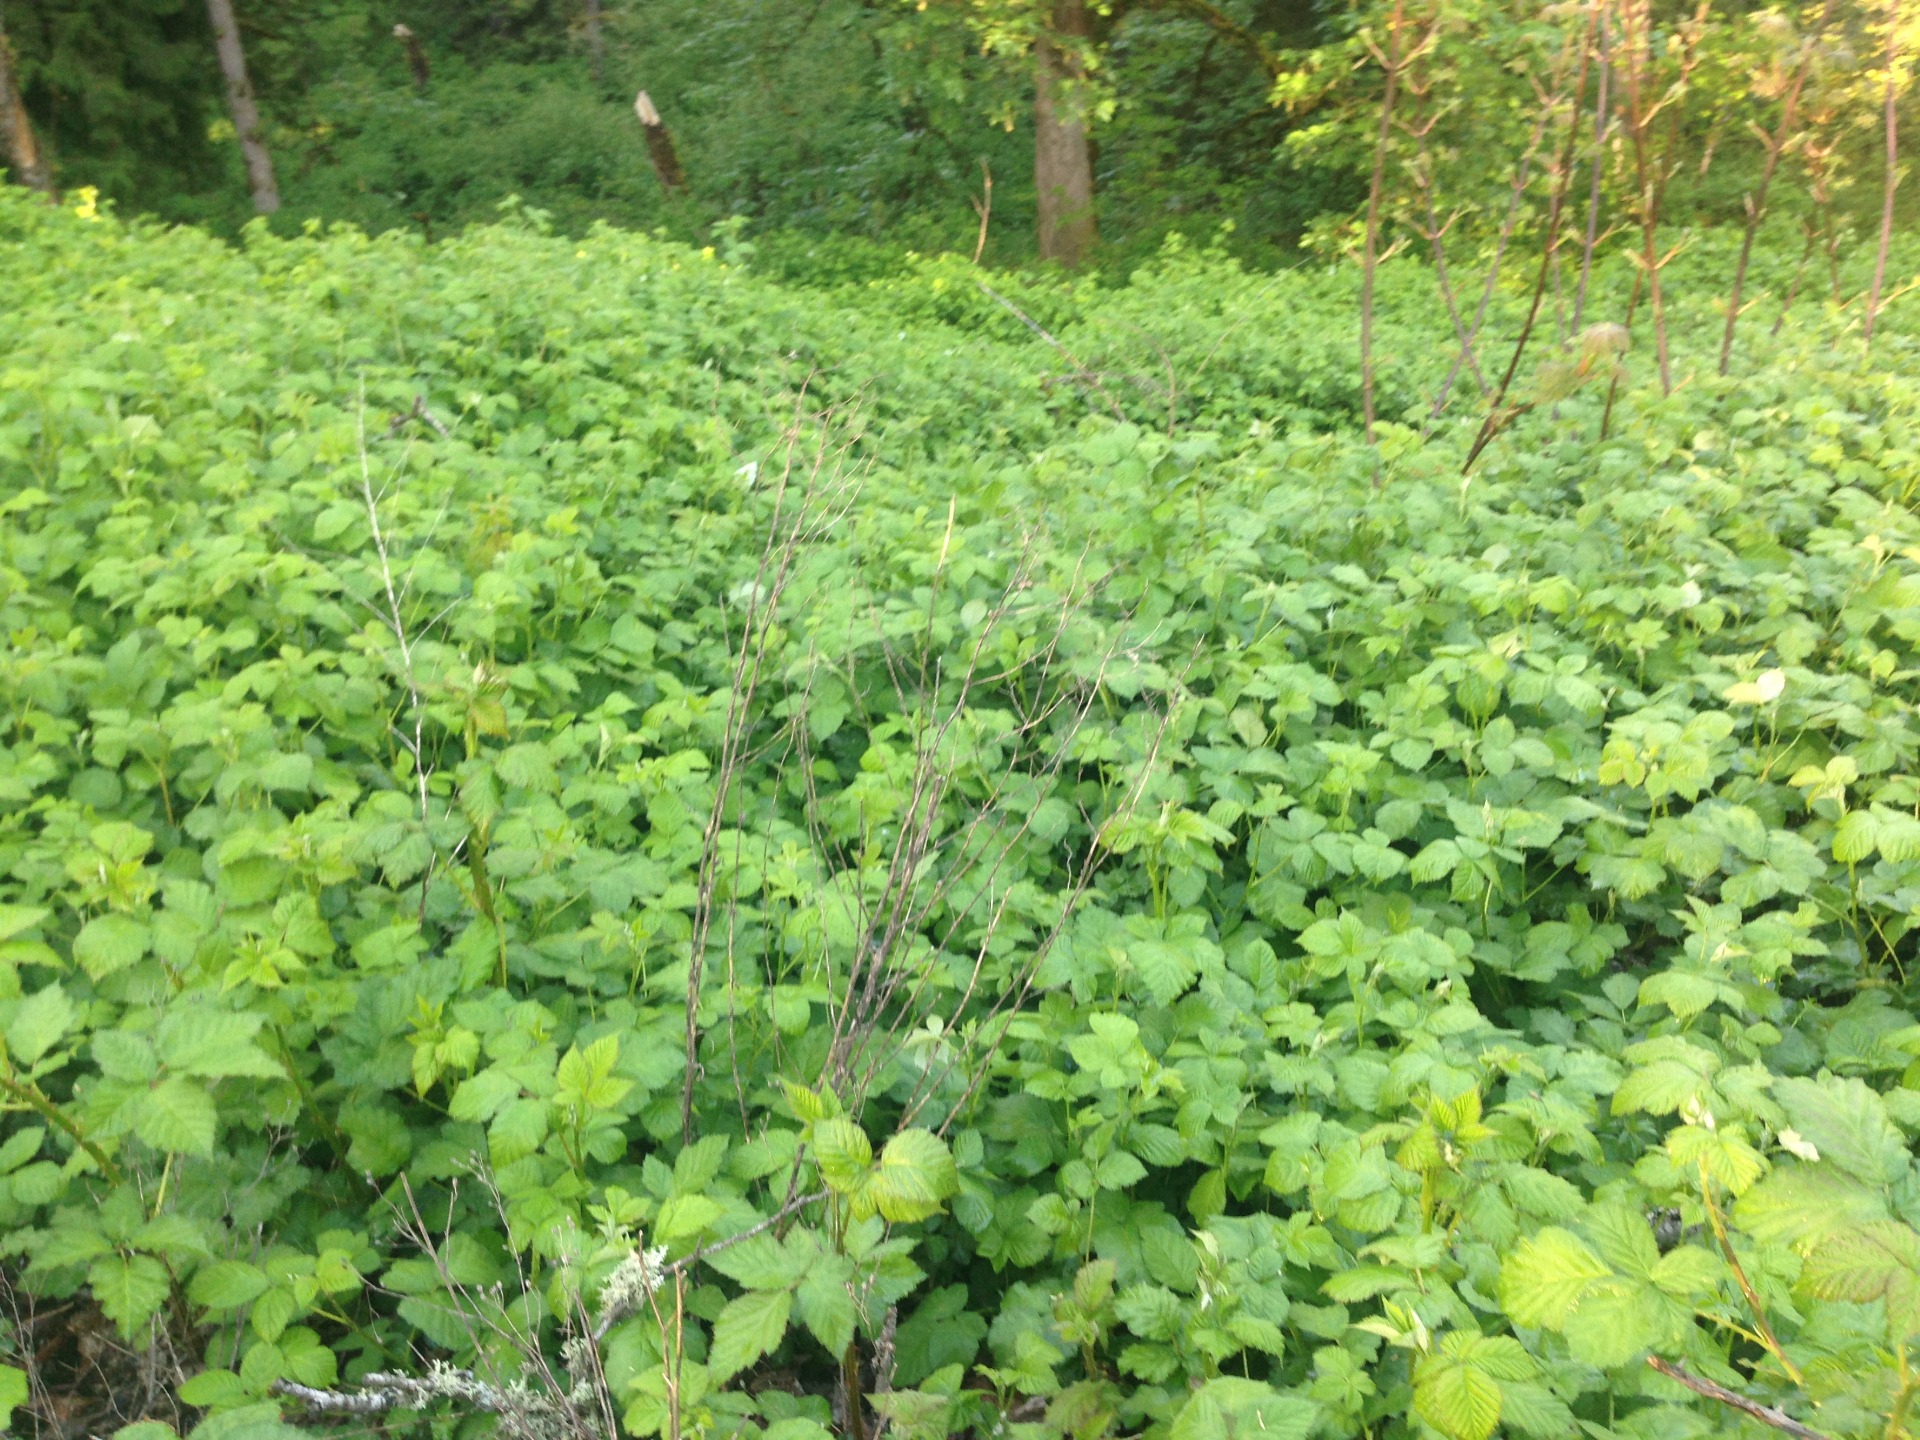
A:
383, 1392
1225, 25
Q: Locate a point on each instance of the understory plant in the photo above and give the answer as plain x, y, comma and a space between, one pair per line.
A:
600, 847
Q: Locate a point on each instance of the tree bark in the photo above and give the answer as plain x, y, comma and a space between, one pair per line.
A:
1892, 181
1369, 262
416, 56
246, 115
1062, 151
16, 130
596, 42
666, 161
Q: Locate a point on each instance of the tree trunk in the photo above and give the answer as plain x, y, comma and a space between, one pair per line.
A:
22, 151
246, 115
666, 161
416, 56
596, 42
1892, 181
1062, 153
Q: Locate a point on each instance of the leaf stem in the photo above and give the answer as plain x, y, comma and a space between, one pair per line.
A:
54, 1115
1767, 1337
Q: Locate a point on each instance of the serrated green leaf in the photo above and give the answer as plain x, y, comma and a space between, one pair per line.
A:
272, 1312
761, 1263
1458, 1398
1542, 1281
130, 1289
1848, 1124
914, 1179
122, 1055
1532, 1409
108, 944
827, 1304
1856, 837
1801, 1205
172, 1236
39, 1024
1501, 1356
1686, 995
750, 1327
177, 1115
1688, 1271
528, 766
1661, 1087
1877, 1261
212, 1389
695, 1166
1230, 1408
20, 1147
1623, 1237
227, 1285
197, 1040
245, 1422
1615, 1323
1435, 861
685, 1215
843, 1153
18, 919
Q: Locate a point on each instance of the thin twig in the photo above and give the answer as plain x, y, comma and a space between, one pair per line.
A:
1522, 173
1497, 416
1651, 179
686, 1262
983, 207
1602, 123
1765, 1414
397, 624
1435, 232
1756, 203
787, 530
1080, 371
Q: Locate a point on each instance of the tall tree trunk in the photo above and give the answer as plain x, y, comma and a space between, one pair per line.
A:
246, 115
1062, 152
596, 42
1892, 181
22, 151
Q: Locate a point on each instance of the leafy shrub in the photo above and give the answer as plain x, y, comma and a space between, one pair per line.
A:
1174, 935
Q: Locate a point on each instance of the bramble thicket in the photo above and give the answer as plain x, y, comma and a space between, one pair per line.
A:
737, 833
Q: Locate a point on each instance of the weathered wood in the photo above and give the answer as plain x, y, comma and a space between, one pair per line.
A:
416, 55
666, 161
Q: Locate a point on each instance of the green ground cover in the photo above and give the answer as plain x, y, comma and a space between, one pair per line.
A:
1193, 923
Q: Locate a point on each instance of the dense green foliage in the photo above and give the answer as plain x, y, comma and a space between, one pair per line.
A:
1195, 924
845, 121
843, 133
